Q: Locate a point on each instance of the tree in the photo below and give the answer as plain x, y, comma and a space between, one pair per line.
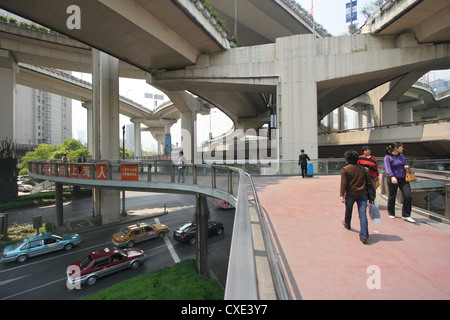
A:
73, 148
8, 172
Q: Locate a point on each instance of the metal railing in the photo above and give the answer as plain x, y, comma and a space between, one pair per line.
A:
276, 268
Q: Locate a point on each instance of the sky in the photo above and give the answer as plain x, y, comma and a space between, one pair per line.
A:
331, 14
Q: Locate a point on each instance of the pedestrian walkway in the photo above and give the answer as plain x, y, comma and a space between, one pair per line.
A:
323, 260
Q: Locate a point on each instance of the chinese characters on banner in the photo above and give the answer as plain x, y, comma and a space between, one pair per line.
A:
62, 169
46, 169
73, 171
86, 171
129, 172
101, 172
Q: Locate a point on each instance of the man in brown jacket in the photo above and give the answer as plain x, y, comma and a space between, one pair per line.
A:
353, 189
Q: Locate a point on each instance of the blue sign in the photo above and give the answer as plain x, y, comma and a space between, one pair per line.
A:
167, 145
352, 8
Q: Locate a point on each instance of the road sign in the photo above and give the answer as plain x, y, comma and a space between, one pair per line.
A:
351, 8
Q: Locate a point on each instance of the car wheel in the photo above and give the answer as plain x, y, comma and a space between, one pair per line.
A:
91, 280
219, 232
68, 247
161, 235
135, 265
130, 244
193, 240
22, 258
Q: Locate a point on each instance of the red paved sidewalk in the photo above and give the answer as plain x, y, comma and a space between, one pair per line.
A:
325, 261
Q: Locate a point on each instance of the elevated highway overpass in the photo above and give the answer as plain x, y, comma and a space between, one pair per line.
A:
253, 84
295, 78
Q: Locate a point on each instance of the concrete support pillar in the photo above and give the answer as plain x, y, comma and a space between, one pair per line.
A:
201, 217
167, 140
59, 204
188, 135
341, 117
297, 120
408, 115
8, 70
388, 112
297, 96
105, 84
137, 137
89, 121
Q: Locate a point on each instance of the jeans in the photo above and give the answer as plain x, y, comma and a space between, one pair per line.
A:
181, 174
361, 201
407, 196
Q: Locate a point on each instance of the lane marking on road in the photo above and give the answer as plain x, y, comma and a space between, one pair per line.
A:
13, 279
170, 246
32, 289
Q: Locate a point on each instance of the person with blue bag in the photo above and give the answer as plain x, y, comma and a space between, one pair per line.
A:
303, 162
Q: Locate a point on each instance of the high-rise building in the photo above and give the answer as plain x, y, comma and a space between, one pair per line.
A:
41, 117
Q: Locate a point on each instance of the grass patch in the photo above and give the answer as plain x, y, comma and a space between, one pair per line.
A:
180, 282
19, 232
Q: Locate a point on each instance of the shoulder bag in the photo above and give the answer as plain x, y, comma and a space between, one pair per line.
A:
410, 176
371, 193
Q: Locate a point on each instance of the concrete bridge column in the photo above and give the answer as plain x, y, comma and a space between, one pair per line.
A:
201, 217
298, 120
388, 112
59, 204
341, 118
187, 135
137, 137
297, 97
408, 114
89, 119
8, 70
105, 85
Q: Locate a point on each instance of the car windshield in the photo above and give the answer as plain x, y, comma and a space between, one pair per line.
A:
122, 252
17, 245
54, 236
124, 232
85, 262
186, 227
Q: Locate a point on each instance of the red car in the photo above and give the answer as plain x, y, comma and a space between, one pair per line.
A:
101, 263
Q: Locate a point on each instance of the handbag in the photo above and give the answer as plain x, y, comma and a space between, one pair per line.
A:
410, 176
371, 192
374, 212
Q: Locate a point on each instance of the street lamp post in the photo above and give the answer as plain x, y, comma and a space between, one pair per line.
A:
123, 213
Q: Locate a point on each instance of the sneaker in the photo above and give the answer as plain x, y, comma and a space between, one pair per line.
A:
364, 241
392, 217
409, 219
